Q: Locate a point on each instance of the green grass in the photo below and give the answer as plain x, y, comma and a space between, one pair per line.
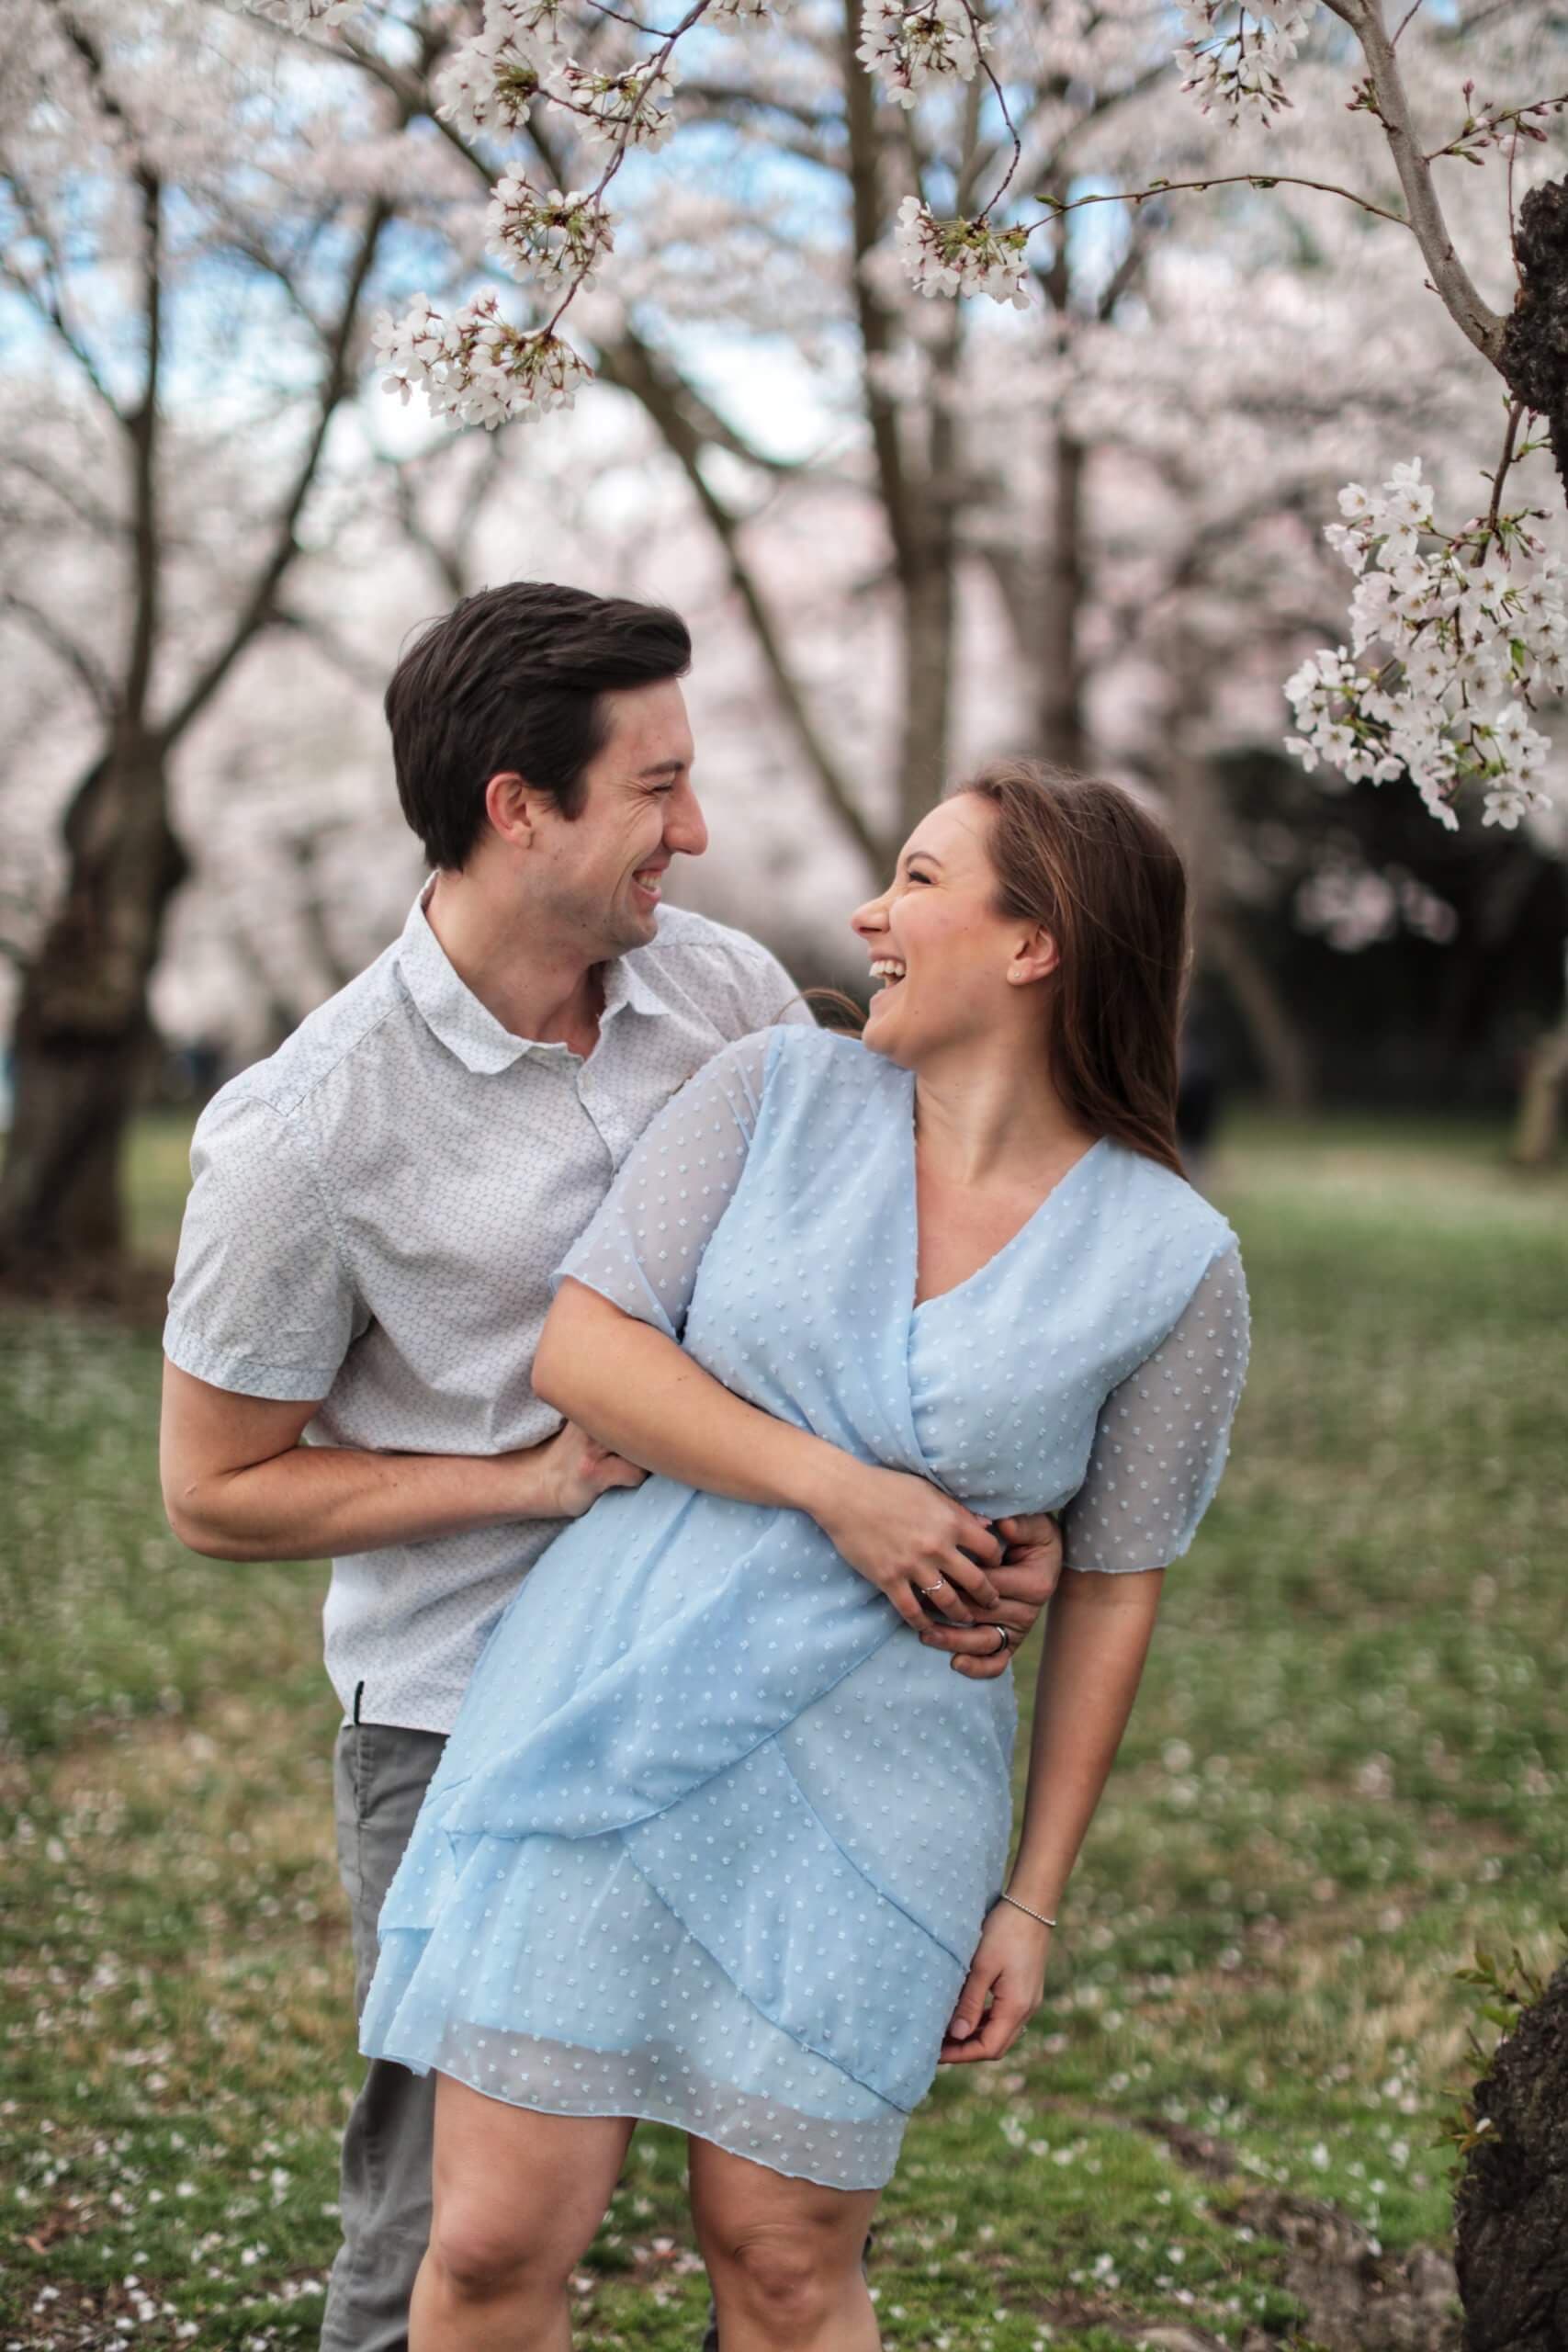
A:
1345, 1770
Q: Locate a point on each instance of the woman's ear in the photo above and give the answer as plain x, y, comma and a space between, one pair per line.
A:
1033, 957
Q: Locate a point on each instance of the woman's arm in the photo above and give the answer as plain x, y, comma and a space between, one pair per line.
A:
1097, 1637
1159, 1448
641, 1396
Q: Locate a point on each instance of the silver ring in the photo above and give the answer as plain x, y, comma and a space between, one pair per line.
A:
1005, 1641
932, 1588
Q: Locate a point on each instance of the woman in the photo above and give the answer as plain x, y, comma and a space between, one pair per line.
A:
714, 1839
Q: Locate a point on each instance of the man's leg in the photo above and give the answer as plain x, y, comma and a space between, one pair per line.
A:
380, 1775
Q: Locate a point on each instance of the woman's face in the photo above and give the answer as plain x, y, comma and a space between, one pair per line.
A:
943, 951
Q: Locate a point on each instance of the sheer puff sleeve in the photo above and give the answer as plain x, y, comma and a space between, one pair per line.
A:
644, 1244
1161, 1439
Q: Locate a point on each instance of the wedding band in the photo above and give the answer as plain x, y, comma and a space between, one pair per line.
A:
932, 1588
1005, 1644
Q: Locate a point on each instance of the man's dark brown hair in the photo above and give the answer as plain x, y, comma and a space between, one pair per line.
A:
511, 680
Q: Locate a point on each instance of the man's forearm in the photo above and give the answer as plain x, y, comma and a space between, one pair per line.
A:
312, 1502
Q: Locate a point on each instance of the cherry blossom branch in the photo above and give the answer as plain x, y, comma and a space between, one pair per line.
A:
1516, 411
1484, 130
1383, 94
1059, 206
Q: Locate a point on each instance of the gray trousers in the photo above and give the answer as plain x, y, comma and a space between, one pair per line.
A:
381, 1772
380, 1775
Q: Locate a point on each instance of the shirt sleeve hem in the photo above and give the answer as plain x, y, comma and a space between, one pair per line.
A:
246, 1376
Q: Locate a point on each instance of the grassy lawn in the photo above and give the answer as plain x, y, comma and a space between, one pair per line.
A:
1346, 1770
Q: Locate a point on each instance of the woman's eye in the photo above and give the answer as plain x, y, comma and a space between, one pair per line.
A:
919, 877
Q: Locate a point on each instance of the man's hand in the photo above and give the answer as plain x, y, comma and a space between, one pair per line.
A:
1026, 1578
579, 1470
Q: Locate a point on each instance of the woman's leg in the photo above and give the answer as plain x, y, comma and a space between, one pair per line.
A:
783, 2256
518, 2197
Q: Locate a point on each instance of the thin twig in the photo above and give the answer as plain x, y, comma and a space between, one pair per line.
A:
1223, 179
1516, 411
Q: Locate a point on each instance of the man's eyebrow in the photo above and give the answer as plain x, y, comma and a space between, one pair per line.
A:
665, 768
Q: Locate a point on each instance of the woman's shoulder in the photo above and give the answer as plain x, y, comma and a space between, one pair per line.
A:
1163, 1205
832, 1057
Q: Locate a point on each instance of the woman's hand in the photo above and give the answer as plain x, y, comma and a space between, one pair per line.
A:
1029, 1575
906, 1536
1007, 1970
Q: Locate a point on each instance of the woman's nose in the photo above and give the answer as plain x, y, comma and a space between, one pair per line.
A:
868, 917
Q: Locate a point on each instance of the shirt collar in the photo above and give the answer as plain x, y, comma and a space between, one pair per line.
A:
468, 1029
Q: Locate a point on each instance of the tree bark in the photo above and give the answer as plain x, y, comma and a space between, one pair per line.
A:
1060, 719
83, 1034
1511, 2204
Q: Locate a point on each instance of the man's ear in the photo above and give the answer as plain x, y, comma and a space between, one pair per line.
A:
514, 809
1035, 957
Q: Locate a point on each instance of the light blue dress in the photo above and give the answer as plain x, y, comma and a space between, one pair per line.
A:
714, 1836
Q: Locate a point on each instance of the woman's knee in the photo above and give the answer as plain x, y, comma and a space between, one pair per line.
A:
482, 2252
795, 2269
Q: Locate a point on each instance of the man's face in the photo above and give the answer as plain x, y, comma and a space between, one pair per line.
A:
606, 865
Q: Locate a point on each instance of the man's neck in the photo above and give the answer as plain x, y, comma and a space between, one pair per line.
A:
535, 986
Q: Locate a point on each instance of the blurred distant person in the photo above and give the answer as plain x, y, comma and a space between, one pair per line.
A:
377, 1211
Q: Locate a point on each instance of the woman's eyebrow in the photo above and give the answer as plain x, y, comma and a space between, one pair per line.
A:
929, 855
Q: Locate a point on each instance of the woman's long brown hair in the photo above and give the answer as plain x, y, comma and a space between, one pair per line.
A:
1080, 858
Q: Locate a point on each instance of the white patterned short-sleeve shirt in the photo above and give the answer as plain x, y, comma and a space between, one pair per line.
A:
375, 1215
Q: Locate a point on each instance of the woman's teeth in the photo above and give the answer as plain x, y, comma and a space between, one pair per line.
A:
887, 969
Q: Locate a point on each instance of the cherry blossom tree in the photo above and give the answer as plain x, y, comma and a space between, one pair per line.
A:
1455, 634
188, 273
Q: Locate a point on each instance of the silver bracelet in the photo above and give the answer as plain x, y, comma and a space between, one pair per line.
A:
1023, 1907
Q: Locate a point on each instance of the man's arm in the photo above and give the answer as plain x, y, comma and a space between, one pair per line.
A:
239, 1486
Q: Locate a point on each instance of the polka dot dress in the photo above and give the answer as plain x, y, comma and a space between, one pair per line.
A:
714, 1835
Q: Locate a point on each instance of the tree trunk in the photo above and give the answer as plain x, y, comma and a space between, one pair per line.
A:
1511, 2204
84, 1033
1202, 822
1540, 1118
1060, 702
1285, 1056
927, 617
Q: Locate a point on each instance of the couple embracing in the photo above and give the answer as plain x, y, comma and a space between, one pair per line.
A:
691, 1400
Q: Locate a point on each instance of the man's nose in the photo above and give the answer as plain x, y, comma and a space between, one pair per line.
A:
686, 829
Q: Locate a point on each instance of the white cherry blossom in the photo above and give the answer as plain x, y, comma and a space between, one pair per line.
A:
910, 47
556, 238
1453, 637
956, 257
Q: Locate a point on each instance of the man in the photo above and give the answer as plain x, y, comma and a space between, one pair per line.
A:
377, 1210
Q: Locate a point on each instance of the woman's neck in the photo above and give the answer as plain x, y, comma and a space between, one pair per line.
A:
983, 1117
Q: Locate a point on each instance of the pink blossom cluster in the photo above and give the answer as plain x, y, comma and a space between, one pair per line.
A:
1452, 638
476, 367
1232, 58
956, 258
907, 47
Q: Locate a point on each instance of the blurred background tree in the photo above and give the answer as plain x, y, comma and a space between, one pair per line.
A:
907, 532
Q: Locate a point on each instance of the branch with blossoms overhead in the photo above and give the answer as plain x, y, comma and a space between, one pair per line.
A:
1455, 637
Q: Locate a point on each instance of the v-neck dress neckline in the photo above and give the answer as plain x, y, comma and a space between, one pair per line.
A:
1014, 1241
